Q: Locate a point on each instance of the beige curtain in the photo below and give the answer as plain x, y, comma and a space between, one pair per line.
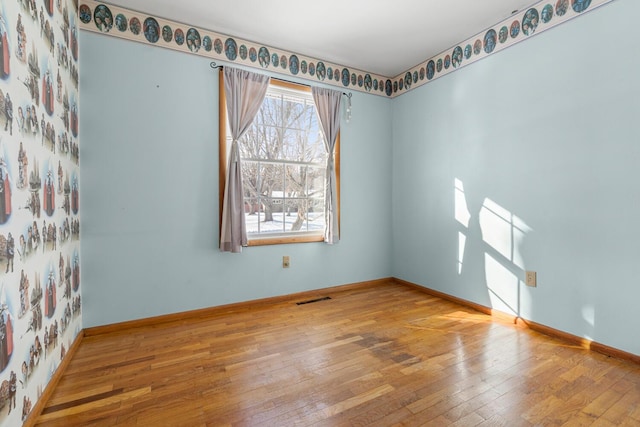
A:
328, 106
244, 92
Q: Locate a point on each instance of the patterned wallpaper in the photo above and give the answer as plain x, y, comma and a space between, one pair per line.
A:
137, 26
40, 300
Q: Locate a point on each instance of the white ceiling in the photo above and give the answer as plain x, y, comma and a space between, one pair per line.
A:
382, 37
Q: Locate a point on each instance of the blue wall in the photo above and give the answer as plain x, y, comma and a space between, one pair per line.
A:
528, 157
545, 136
150, 174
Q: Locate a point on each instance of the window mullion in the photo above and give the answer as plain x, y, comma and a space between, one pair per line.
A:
283, 199
259, 193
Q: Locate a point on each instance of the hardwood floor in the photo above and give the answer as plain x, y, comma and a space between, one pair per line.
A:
386, 355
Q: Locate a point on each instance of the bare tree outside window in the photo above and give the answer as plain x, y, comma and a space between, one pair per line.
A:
283, 165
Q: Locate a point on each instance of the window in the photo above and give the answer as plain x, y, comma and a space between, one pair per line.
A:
283, 167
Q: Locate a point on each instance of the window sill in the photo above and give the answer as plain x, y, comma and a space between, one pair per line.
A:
283, 240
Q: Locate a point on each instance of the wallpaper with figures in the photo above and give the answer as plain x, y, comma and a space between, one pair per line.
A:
119, 22
40, 301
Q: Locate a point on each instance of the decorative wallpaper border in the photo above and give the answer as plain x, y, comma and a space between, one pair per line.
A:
137, 26
518, 27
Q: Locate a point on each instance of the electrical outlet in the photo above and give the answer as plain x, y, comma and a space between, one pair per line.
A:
285, 261
531, 278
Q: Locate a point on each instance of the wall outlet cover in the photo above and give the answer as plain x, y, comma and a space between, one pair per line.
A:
531, 278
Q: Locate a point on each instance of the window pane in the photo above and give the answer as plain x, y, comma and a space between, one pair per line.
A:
253, 207
261, 142
296, 180
315, 181
293, 112
283, 166
272, 184
315, 148
268, 114
293, 145
253, 214
250, 179
315, 215
295, 215
271, 140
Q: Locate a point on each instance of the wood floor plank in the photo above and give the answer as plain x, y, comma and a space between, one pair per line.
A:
93, 406
64, 398
383, 355
356, 400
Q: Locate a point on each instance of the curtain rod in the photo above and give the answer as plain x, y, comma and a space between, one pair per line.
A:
214, 65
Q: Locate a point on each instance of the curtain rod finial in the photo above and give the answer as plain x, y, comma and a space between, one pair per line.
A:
214, 65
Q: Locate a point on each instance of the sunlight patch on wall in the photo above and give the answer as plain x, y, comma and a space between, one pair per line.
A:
462, 215
499, 242
503, 286
589, 315
461, 211
462, 239
503, 231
